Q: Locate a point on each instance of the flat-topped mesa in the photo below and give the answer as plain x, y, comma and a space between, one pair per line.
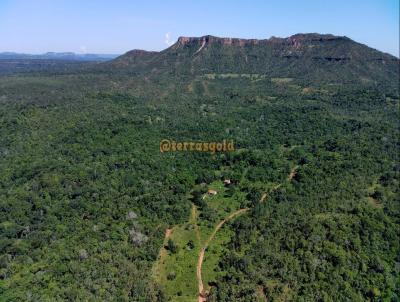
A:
310, 57
315, 37
212, 40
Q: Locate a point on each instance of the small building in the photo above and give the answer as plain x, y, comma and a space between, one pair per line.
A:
211, 192
227, 182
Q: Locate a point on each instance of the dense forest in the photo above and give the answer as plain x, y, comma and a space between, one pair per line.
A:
86, 196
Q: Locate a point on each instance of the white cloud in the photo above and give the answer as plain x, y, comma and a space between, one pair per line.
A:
83, 49
168, 39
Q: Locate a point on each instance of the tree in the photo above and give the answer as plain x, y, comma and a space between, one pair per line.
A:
171, 246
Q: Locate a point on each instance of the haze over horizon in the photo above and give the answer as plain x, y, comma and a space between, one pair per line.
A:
37, 27
227, 167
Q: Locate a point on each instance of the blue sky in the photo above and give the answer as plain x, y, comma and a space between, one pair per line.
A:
116, 26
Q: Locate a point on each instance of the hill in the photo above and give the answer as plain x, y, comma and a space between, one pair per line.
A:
312, 57
306, 208
64, 56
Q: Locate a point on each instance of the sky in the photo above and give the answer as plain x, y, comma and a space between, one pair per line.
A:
117, 26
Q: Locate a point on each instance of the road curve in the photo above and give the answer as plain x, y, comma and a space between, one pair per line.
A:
202, 297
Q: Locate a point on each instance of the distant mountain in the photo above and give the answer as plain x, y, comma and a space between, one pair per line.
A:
66, 56
306, 208
313, 57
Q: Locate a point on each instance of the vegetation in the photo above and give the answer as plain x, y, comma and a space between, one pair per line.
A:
86, 196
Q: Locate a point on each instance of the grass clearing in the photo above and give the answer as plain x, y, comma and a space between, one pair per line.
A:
281, 80
250, 76
213, 253
176, 272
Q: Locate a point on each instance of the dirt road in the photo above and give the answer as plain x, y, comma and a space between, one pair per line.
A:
168, 233
202, 296
293, 173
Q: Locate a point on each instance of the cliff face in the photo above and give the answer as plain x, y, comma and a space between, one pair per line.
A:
299, 43
314, 56
292, 40
211, 40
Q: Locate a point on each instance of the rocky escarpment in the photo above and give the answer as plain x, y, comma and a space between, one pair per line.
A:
211, 40
295, 40
315, 57
325, 47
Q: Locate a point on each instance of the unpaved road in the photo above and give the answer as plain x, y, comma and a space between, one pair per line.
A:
293, 173
202, 297
168, 233
162, 253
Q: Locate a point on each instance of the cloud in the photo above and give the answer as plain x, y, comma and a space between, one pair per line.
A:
83, 49
168, 39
